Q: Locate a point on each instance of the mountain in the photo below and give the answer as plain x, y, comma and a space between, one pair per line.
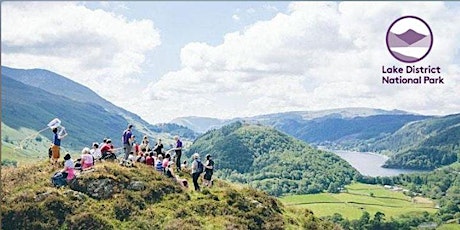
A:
199, 124
31, 107
63, 87
272, 161
32, 98
425, 144
340, 126
116, 197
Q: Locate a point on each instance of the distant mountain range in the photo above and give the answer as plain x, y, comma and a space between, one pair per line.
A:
32, 98
319, 127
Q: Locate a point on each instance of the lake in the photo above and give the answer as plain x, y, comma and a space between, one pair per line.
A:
369, 164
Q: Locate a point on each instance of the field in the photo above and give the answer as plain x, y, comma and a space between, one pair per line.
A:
358, 198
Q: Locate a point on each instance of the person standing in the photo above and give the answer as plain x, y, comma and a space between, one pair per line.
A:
127, 141
197, 169
55, 149
158, 148
178, 150
208, 171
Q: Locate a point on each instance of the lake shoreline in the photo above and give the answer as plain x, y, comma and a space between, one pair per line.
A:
370, 164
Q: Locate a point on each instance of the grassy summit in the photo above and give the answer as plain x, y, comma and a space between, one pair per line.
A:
115, 197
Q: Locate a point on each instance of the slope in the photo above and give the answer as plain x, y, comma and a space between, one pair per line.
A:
425, 144
115, 197
272, 161
63, 87
30, 107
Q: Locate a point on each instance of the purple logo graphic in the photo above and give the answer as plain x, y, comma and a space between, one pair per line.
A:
409, 39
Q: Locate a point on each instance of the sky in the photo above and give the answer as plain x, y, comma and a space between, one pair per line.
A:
163, 60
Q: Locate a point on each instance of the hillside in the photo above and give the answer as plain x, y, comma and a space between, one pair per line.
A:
344, 127
425, 144
115, 197
272, 161
85, 122
32, 98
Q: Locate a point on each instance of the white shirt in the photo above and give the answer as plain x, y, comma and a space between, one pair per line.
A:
69, 164
96, 153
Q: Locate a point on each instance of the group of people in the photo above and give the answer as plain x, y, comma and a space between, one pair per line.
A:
160, 160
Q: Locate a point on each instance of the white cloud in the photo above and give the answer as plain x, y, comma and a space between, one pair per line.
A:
315, 56
100, 49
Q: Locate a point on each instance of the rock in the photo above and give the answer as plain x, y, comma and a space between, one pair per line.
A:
136, 185
42, 196
75, 195
102, 188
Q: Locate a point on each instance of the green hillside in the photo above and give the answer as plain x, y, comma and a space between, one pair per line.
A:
269, 160
29, 104
116, 197
426, 144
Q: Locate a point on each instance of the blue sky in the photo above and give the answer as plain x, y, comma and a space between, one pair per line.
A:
164, 59
183, 22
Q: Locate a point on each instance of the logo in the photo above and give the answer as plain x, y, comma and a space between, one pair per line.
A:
409, 39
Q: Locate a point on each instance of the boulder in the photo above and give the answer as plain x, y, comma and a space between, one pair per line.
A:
136, 185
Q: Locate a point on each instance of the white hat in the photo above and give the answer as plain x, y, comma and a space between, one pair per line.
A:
196, 156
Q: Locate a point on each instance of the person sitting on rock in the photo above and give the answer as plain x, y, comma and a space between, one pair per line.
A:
96, 152
149, 160
166, 161
107, 150
69, 170
159, 164
86, 159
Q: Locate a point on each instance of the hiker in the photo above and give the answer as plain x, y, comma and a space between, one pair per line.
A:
166, 160
107, 150
104, 141
159, 164
158, 148
178, 150
184, 166
127, 140
55, 149
96, 152
197, 169
149, 159
208, 171
168, 171
69, 168
145, 142
141, 156
87, 160
135, 148
170, 174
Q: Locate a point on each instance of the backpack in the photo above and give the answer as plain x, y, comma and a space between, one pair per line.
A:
50, 153
199, 167
58, 180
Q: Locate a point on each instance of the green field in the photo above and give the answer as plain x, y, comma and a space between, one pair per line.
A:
357, 198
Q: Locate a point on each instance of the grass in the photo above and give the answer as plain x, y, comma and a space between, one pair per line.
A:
162, 204
449, 227
357, 199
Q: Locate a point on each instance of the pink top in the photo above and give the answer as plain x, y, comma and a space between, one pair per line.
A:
70, 169
88, 161
165, 163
